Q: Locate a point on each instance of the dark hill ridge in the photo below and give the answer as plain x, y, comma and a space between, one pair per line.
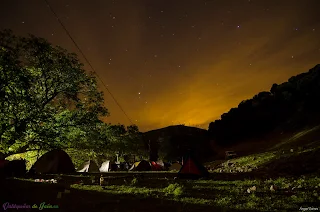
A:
172, 142
290, 106
266, 118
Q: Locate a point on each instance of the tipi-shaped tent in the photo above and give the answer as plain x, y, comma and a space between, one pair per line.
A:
175, 167
89, 166
141, 166
105, 167
54, 162
192, 169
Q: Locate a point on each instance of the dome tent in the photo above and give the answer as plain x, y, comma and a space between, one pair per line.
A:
54, 162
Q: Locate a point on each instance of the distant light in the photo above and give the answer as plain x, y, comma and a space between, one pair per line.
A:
238, 26
139, 93
22, 22
291, 56
113, 17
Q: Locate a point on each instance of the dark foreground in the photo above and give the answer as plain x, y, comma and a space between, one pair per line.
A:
153, 192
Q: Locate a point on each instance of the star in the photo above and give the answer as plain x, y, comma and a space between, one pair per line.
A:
238, 26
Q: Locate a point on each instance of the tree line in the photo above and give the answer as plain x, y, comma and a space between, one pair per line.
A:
289, 106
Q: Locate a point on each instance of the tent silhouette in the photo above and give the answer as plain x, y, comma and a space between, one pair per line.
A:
54, 162
141, 166
192, 169
155, 166
89, 166
105, 167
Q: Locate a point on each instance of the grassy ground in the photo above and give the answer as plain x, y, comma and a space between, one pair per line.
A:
160, 194
284, 178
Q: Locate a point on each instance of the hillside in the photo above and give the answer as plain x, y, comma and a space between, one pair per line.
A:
172, 142
286, 108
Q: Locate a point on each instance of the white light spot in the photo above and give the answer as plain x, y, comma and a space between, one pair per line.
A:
238, 26
291, 56
22, 22
139, 93
172, 33
113, 17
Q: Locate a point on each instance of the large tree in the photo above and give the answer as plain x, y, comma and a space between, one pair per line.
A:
47, 99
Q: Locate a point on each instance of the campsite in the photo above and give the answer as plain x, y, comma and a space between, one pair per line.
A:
61, 150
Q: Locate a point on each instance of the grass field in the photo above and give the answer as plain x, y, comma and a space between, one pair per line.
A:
159, 194
284, 178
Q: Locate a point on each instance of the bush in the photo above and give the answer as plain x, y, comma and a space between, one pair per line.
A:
174, 189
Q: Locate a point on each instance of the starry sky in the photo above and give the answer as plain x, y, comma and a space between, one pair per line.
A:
175, 61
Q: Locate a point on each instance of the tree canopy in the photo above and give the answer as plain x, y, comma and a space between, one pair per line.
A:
47, 99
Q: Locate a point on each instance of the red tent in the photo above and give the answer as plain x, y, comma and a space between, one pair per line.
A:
155, 166
192, 169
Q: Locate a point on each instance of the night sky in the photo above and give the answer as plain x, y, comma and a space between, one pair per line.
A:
178, 61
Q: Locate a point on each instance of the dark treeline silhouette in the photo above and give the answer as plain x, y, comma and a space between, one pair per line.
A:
288, 106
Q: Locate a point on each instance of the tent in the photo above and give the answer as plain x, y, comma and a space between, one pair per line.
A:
192, 169
89, 166
141, 166
155, 166
53, 162
175, 167
105, 166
